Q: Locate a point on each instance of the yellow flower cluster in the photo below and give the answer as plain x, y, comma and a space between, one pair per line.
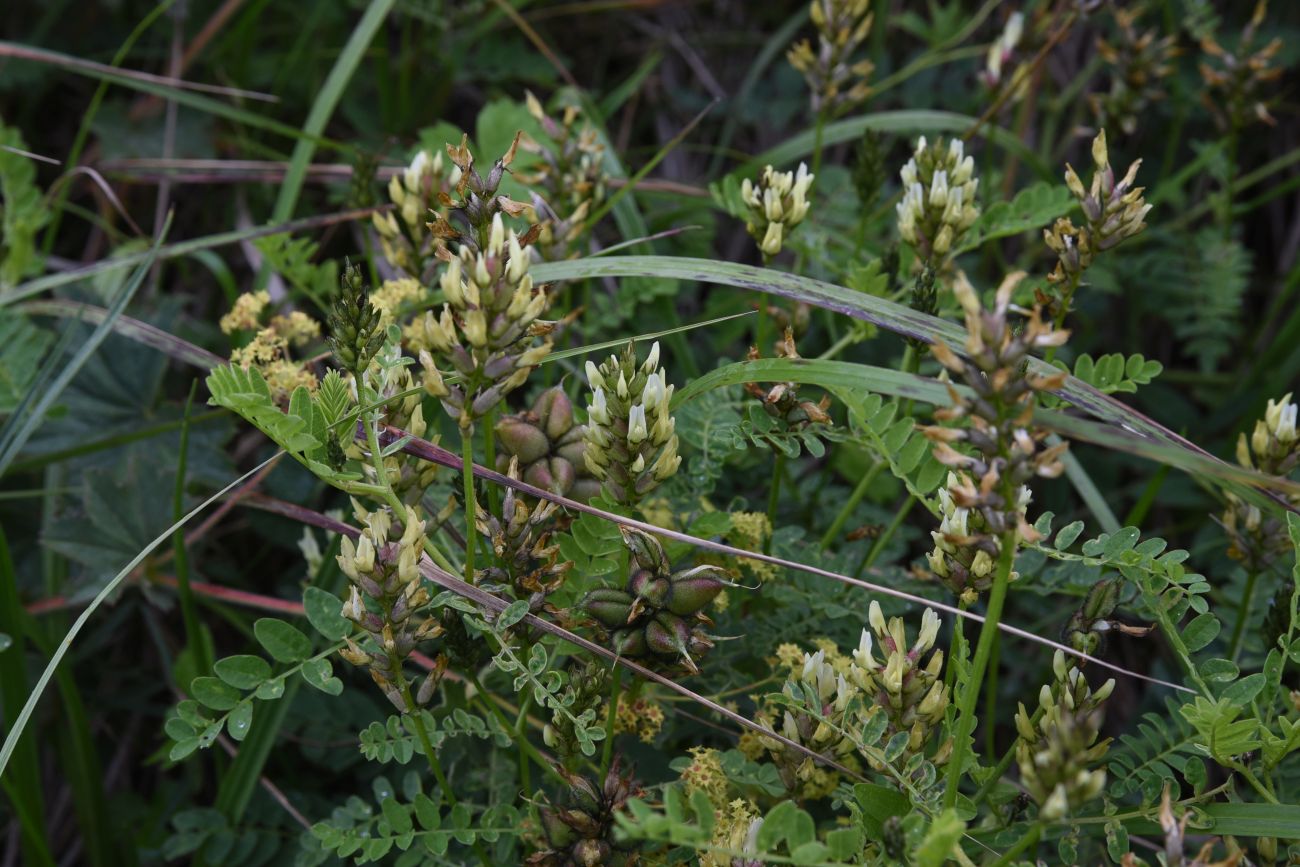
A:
245, 314
735, 830
705, 774
642, 717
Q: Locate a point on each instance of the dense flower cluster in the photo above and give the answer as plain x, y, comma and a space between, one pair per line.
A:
938, 205
384, 600
777, 204
1113, 211
1055, 754
1258, 538
488, 329
904, 686
570, 181
986, 497
846, 692
1138, 65
836, 82
417, 195
630, 434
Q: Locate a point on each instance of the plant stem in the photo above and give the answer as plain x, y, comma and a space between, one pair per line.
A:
607, 750
991, 698
521, 739
850, 504
471, 534
773, 497
971, 689
194, 638
1243, 615
422, 735
490, 457
883, 539
819, 134
1254, 782
1029, 839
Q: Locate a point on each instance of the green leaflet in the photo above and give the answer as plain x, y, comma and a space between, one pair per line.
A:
303, 431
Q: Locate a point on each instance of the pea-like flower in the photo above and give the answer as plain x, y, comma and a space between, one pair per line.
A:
630, 433
1056, 754
488, 328
777, 204
938, 205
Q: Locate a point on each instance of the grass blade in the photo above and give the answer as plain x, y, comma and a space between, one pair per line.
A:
1124, 428
24, 785
175, 250
22, 425
20, 723
323, 107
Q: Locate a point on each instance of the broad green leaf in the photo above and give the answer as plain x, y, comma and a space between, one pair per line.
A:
243, 671
282, 641
325, 613
213, 693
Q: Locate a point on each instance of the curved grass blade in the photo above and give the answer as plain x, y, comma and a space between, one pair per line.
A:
126, 326
904, 121
177, 249
323, 106
1125, 429
22, 424
24, 716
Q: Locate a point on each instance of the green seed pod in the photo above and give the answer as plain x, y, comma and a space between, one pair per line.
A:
522, 440
629, 642
667, 634
649, 587
609, 606
694, 589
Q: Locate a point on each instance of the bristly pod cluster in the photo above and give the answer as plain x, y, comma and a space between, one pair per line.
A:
776, 205
986, 497
418, 193
586, 688
579, 831
355, 334
938, 205
836, 82
630, 434
385, 599
488, 329
906, 687
526, 561
659, 614
1113, 212
1055, 754
1257, 538
549, 445
571, 179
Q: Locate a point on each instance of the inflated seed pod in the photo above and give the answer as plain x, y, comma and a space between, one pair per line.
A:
610, 606
695, 588
651, 588
629, 642
667, 634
